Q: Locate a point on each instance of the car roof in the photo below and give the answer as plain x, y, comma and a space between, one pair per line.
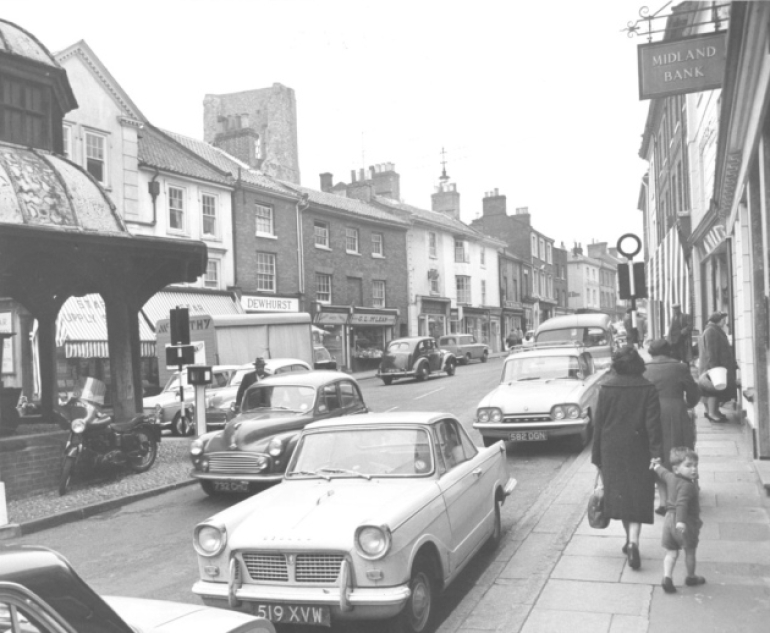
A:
548, 350
575, 320
313, 378
284, 361
394, 417
410, 339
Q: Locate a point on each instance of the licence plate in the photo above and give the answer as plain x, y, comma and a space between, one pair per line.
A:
296, 614
231, 486
529, 436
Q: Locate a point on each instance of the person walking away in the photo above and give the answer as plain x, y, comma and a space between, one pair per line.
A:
679, 334
681, 528
627, 436
715, 351
678, 392
510, 340
250, 378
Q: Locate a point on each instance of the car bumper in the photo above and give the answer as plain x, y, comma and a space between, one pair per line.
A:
501, 430
266, 477
396, 373
357, 603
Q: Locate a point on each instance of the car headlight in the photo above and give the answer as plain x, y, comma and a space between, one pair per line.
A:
78, 425
492, 414
565, 412
196, 448
275, 447
372, 541
209, 540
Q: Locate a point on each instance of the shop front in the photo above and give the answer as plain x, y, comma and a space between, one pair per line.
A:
476, 321
370, 331
495, 319
333, 320
269, 303
433, 317
512, 318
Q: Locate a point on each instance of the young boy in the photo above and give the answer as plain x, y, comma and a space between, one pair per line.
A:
681, 527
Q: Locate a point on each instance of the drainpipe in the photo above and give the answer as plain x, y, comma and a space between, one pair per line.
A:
302, 205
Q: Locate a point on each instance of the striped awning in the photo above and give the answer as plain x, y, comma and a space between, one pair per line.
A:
81, 328
668, 278
159, 305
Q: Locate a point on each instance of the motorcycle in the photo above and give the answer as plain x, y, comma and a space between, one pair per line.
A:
95, 441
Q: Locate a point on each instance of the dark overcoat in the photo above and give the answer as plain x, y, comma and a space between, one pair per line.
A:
715, 351
627, 435
678, 391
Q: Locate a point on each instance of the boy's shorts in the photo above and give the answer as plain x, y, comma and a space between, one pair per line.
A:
673, 539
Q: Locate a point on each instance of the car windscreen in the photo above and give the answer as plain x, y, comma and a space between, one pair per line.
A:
541, 368
298, 398
376, 452
588, 336
398, 346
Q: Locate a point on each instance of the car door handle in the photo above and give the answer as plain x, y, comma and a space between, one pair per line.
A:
477, 472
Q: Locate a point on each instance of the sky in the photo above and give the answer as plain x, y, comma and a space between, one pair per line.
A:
536, 99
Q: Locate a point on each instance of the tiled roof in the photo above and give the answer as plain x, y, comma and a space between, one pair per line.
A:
159, 150
230, 164
349, 205
435, 218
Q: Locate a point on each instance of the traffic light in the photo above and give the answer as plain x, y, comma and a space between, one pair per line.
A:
180, 326
624, 281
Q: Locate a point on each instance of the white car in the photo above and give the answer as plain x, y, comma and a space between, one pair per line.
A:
376, 514
546, 391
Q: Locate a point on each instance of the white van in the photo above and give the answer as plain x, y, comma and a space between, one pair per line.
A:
591, 330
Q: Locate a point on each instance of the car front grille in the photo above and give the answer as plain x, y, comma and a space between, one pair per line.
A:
525, 419
298, 568
236, 463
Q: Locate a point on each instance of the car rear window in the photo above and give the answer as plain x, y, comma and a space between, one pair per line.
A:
398, 346
590, 337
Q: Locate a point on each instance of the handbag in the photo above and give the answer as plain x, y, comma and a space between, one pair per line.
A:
597, 518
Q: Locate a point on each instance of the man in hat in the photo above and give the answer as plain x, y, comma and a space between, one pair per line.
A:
679, 334
250, 378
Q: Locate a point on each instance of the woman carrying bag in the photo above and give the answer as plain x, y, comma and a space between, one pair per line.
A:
715, 351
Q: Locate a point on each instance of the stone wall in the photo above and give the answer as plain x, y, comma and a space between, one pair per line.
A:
31, 464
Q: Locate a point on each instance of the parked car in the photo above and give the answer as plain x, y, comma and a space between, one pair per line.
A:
220, 402
415, 357
255, 446
465, 347
40, 592
322, 359
376, 515
545, 392
169, 411
594, 330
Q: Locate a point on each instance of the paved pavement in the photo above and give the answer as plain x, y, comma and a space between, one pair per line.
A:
556, 574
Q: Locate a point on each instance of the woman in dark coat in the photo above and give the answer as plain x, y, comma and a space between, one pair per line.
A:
715, 351
627, 437
678, 392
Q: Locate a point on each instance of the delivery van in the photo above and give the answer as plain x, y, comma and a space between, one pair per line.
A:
592, 330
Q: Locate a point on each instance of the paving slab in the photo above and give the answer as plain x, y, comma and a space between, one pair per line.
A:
557, 517
608, 546
738, 514
731, 476
723, 465
537, 555
550, 621
595, 597
494, 612
604, 569
734, 500
711, 608
629, 624
734, 552
743, 531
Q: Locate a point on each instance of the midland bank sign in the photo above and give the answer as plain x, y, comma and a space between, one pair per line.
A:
675, 67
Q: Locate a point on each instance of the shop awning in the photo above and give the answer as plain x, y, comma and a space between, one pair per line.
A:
81, 328
159, 305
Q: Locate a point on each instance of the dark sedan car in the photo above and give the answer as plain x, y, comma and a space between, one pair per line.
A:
255, 446
415, 357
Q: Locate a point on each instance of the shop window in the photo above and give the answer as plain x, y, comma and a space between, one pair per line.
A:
378, 294
323, 288
378, 245
266, 272
264, 217
321, 230
351, 241
96, 156
176, 209
209, 213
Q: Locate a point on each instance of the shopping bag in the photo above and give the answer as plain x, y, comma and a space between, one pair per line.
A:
718, 377
597, 518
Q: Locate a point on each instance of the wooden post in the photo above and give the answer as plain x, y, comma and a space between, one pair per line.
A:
119, 334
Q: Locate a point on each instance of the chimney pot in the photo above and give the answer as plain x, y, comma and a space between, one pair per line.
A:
497, 193
352, 175
361, 174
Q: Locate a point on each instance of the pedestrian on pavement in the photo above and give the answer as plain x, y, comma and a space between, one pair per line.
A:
681, 528
678, 392
250, 378
510, 340
627, 436
715, 351
679, 331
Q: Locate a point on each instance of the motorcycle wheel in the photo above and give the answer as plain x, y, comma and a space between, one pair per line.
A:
183, 425
66, 473
143, 459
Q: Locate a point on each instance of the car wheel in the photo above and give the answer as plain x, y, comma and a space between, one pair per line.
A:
489, 441
467, 358
422, 372
183, 425
485, 356
208, 488
450, 368
388, 380
419, 607
582, 439
497, 530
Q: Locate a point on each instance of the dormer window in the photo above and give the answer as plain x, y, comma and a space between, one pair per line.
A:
25, 113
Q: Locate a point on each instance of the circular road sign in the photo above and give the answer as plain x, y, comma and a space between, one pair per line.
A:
629, 245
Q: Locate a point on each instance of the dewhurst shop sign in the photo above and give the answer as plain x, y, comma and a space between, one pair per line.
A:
675, 67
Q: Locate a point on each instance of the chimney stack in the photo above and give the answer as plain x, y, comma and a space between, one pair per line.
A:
326, 181
493, 203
